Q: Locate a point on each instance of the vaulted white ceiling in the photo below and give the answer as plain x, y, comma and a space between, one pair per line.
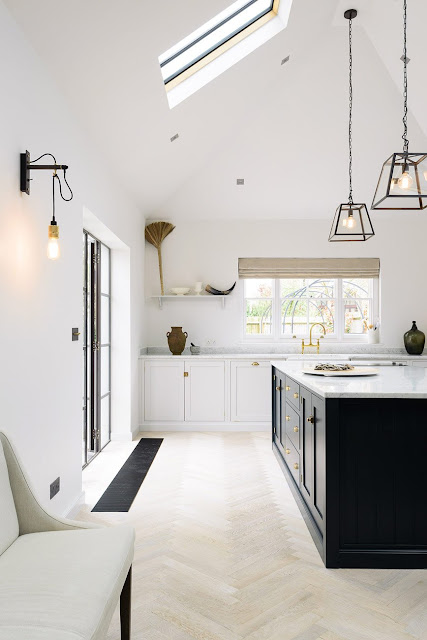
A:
282, 128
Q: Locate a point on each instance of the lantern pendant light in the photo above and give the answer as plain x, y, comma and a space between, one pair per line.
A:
351, 221
403, 180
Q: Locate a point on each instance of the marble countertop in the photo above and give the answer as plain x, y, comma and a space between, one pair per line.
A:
391, 382
340, 357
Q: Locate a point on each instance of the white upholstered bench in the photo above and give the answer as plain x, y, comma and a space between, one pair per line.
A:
59, 579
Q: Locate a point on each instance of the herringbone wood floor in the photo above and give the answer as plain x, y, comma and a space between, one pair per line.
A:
222, 553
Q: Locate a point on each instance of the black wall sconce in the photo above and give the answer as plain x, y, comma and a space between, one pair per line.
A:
28, 165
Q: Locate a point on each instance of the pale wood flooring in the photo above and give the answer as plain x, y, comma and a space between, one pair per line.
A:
222, 553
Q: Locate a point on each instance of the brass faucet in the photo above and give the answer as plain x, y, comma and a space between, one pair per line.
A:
318, 341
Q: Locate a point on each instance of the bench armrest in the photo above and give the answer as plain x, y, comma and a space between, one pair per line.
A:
32, 516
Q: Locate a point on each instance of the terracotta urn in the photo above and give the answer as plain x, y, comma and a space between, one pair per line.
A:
176, 340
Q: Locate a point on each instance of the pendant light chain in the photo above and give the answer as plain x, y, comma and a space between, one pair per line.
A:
350, 119
405, 83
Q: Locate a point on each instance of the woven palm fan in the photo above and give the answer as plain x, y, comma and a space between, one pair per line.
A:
155, 233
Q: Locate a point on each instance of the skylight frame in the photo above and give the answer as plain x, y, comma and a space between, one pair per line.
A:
219, 48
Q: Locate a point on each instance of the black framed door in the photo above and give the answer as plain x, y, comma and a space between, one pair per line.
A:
96, 347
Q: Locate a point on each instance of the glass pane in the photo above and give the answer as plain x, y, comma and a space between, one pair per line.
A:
294, 317
105, 269
357, 315
322, 311
357, 288
258, 317
211, 35
105, 370
105, 420
294, 287
322, 289
105, 320
259, 288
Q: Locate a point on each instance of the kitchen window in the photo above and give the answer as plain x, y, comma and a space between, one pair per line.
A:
286, 308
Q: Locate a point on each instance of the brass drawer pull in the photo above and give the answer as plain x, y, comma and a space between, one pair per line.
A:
310, 419
287, 388
295, 395
296, 465
296, 429
278, 388
288, 418
255, 364
287, 451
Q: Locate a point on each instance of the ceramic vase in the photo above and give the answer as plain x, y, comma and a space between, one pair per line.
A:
176, 340
414, 340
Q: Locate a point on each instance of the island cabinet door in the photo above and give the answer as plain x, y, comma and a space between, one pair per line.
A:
164, 390
312, 458
250, 391
204, 391
277, 383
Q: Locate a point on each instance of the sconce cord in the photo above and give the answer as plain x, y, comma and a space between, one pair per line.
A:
55, 175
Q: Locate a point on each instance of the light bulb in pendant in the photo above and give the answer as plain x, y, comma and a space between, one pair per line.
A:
405, 181
349, 221
53, 251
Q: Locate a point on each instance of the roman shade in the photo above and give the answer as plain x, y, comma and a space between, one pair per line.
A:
309, 267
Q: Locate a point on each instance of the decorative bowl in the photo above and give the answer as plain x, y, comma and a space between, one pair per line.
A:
180, 291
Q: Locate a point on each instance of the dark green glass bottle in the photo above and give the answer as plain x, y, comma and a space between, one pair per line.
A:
414, 340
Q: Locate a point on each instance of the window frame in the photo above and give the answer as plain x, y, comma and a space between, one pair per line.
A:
214, 52
339, 335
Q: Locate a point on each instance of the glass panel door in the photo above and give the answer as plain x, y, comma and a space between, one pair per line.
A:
96, 347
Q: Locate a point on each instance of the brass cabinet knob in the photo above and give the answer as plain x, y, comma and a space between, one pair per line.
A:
296, 465
278, 388
310, 419
288, 418
287, 388
287, 451
255, 364
295, 395
296, 429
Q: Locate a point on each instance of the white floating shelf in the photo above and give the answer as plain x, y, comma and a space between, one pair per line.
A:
162, 299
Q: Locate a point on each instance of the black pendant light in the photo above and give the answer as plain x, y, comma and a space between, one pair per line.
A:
351, 221
403, 180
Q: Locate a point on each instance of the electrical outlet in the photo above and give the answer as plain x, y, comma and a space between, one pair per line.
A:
54, 488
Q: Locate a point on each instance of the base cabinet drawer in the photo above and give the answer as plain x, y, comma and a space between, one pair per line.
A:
292, 460
292, 426
292, 392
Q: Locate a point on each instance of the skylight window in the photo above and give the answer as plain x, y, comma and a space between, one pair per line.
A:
214, 40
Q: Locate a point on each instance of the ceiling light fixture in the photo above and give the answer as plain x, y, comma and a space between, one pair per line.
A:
351, 221
28, 165
402, 184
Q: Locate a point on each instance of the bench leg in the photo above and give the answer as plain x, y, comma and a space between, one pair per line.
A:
125, 602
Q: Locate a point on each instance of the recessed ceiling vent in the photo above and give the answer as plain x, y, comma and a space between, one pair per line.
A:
175, 137
285, 60
240, 181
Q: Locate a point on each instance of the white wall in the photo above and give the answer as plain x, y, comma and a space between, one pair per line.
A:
208, 251
41, 377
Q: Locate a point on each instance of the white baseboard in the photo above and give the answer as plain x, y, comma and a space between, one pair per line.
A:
72, 511
197, 426
125, 437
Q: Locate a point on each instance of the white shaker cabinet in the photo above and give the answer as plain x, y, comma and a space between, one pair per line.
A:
164, 390
250, 391
205, 391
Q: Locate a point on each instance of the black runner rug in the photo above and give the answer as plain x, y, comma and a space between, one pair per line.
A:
122, 490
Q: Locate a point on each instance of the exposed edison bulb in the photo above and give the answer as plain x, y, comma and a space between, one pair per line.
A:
394, 182
349, 220
53, 251
405, 181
